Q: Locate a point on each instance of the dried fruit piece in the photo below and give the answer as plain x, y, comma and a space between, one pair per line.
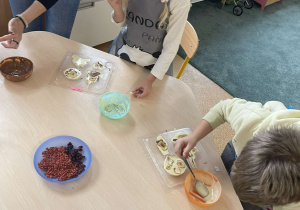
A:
192, 157
177, 170
194, 150
162, 145
192, 162
72, 73
180, 164
93, 76
99, 65
170, 161
171, 165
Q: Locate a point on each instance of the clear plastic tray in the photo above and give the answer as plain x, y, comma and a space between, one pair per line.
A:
98, 87
157, 158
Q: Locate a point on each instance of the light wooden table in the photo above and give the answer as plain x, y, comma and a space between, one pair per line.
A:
120, 176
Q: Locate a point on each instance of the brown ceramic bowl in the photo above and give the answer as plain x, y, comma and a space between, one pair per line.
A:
16, 69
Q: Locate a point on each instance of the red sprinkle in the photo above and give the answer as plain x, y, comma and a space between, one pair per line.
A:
62, 163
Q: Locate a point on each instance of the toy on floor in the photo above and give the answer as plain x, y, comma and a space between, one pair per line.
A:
238, 9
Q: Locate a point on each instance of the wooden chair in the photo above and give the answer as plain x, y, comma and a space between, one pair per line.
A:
189, 43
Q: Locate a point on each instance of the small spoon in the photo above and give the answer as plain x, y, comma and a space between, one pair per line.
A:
199, 185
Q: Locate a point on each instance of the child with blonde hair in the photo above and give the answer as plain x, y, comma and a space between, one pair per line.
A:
150, 36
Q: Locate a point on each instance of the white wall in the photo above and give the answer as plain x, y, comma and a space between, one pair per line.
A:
93, 25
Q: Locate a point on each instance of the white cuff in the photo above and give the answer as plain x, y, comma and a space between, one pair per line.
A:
121, 24
157, 73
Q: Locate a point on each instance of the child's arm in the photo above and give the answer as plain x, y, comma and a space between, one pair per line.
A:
145, 88
118, 15
216, 116
177, 21
184, 145
179, 10
243, 117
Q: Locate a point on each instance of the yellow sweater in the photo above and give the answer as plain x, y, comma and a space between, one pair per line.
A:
248, 118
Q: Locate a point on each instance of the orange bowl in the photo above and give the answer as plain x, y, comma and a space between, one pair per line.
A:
16, 69
210, 181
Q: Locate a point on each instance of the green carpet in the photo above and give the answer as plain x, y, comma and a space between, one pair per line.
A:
255, 56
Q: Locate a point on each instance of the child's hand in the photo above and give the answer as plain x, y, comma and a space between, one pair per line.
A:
116, 5
143, 90
184, 145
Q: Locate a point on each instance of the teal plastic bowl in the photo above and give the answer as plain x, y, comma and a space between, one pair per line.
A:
114, 105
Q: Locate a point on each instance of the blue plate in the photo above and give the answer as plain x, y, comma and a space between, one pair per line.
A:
59, 141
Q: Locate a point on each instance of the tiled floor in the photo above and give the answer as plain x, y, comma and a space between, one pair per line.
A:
206, 92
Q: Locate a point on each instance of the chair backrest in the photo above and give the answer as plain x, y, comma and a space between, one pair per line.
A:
189, 40
189, 43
